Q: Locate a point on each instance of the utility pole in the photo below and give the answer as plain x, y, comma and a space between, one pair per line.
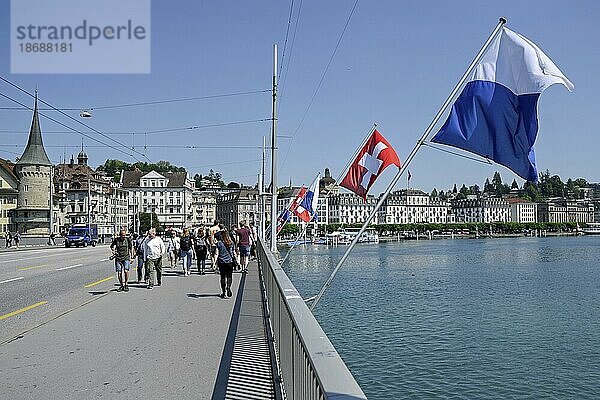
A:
51, 229
89, 205
261, 189
274, 157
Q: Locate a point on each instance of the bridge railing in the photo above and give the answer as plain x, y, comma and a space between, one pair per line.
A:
310, 367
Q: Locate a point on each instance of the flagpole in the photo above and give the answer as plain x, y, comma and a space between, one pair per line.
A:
274, 158
341, 175
303, 230
383, 197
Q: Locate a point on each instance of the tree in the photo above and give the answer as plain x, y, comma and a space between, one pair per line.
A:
145, 222
514, 185
434, 193
531, 192
455, 190
488, 187
113, 167
233, 185
198, 180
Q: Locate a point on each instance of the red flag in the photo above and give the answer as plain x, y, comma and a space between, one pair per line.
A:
375, 156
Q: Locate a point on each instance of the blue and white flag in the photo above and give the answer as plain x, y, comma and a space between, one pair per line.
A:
496, 114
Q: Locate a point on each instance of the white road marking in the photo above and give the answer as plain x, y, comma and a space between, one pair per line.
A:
69, 267
13, 279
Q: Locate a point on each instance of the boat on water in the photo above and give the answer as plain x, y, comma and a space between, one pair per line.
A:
295, 242
347, 235
591, 229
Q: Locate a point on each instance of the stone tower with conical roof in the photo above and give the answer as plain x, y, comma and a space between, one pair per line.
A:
32, 215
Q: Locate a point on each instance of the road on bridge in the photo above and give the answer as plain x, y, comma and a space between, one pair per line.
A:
36, 285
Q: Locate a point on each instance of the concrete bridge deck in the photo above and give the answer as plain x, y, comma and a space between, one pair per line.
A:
178, 341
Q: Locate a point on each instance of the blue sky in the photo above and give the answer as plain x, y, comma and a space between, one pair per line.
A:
395, 66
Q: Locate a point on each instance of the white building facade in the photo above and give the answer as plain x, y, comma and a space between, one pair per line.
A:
349, 208
522, 211
410, 206
166, 194
482, 209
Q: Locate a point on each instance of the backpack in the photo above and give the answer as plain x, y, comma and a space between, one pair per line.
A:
185, 243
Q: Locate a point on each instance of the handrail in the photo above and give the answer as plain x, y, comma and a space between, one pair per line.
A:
310, 366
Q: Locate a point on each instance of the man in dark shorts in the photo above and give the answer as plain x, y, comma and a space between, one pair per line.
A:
244, 242
122, 249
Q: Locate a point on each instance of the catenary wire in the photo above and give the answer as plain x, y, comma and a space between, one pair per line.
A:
70, 117
146, 103
310, 103
189, 128
287, 32
291, 52
72, 129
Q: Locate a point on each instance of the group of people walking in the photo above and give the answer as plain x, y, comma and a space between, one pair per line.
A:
227, 250
9, 238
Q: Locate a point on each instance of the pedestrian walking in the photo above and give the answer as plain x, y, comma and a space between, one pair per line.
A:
236, 254
225, 262
171, 250
9, 239
154, 248
254, 241
185, 251
139, 252
201, 250
17, 239
244, 242
212, 233
123, 253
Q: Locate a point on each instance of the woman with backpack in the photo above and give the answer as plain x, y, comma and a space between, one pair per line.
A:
225, 251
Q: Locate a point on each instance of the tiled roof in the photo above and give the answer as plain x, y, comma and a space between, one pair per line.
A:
9, 167
131, 179
34, 153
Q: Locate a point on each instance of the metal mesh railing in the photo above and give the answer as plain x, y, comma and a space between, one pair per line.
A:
310, 367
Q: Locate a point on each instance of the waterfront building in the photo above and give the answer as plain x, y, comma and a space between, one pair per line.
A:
9, 190
411, 206
204, 207
287, 194
521, 210
481, 209
88, 196
166, 194
349, 208
33, 170
237, 205
563, 210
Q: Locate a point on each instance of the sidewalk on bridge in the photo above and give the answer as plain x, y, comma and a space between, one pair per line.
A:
141, 344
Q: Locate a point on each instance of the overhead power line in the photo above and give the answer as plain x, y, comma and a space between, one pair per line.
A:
71, 118
146, 103
68, 127
312, 99
287, 32
160, 146
187, 128
287, 68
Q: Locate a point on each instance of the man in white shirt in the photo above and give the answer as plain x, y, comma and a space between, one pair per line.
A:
154, 248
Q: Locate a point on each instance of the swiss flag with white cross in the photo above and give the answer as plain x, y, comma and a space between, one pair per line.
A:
375, 156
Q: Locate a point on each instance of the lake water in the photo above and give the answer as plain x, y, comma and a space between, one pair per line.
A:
465, 318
